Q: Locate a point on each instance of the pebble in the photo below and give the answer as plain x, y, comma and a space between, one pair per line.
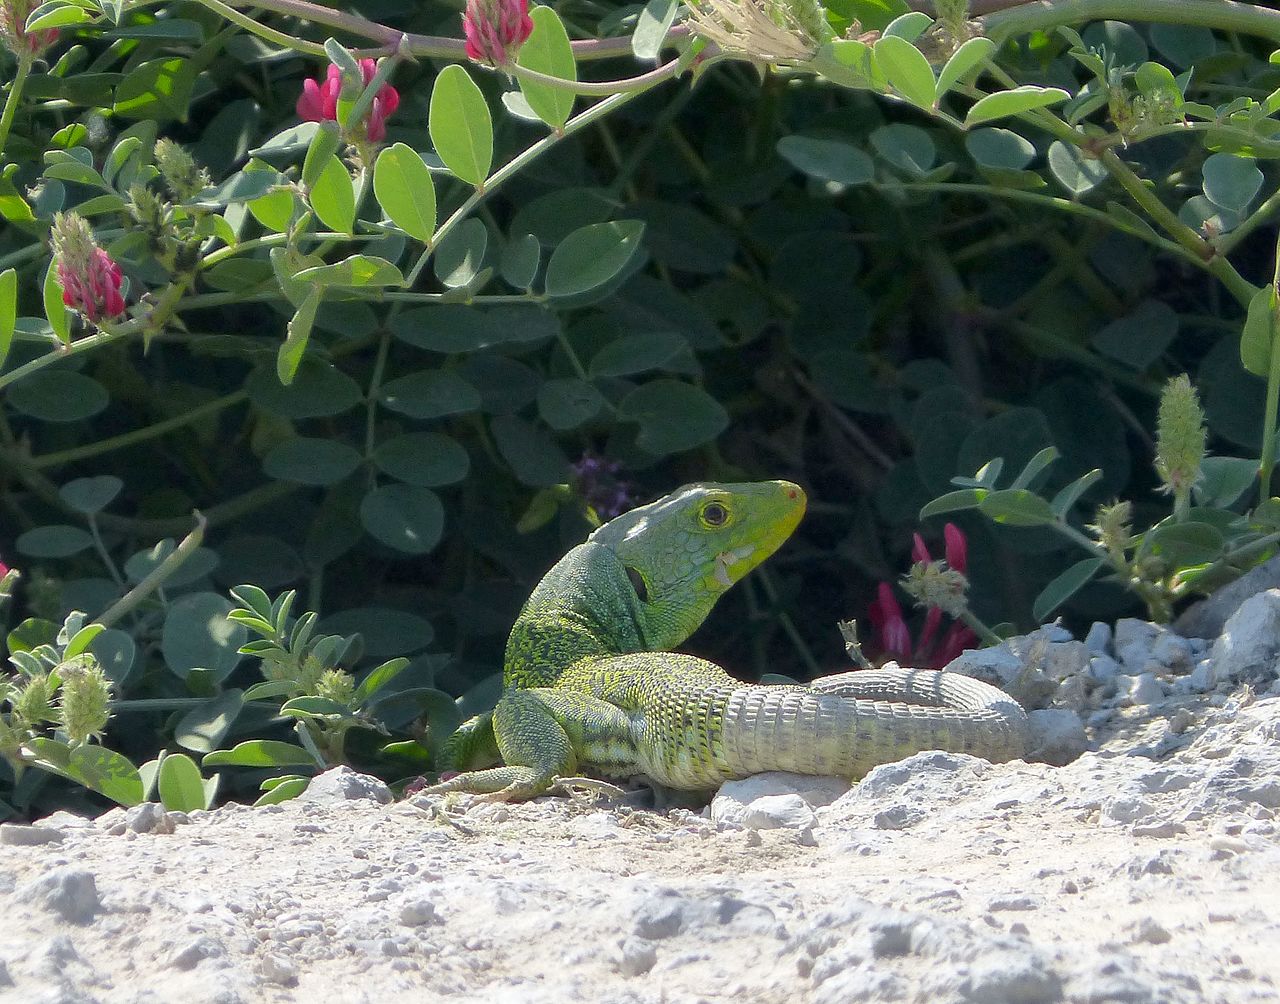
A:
18, 835
1098, 639
342, 784
637, 958
279, 970
1057, 736
70, 892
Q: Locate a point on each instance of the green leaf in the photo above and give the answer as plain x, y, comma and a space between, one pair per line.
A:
405, 191
355, 270
158, 89
323, 146
999, 148
966, 498
116, 653
1183, 544
460, 125
1223, 480
1021, 99
673, 416
377, 679
309, 706
1076, 173
1064, 586
102, 770
81, 640
1070, 495
404, 517
827, 159
180, 784
290, 787
1017, 507
1034, 466
91, 495
203, 727
907, 69
1258, 335
547, 50
1140, 338
1231, 182
294, 348
908, 26
333, 197
54, 309
633, 354
57, 15
55, 395
54, 541
269, 688
429, 394
534, 456
307, 461
459, 256
260, 753
318, 390
197, 635
591, 256
384, 631
8, 311
963, 62
426, 459
519, 262
651, 28
567, 402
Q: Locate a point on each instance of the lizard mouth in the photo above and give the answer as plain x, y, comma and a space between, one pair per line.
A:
727, 559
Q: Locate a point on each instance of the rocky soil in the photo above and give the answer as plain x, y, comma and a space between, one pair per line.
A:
1147, 869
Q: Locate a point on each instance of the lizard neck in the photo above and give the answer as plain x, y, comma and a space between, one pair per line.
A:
584, 607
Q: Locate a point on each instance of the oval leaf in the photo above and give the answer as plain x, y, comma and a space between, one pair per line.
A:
591, 256
964, 61
548, 51
405, 191
827, 159
1064, 586
1002, 104
460, 125
180, 784
404, 517
333, 197
907, 69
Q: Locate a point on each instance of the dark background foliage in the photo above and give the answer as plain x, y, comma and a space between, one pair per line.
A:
869, 341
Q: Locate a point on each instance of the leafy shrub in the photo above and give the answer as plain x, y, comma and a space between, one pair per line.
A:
400, 354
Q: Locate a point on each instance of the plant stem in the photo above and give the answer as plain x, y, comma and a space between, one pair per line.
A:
1267, 461
1236, 284
157, 576
602, 88
980, 629
1225, 15
15, 96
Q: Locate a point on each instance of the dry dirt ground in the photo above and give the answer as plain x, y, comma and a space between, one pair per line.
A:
1121, 877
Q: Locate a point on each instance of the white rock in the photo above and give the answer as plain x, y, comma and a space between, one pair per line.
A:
996, 665
341, 784
1172, 651
1098, 640
1203, 678
15, 834
735, 800
1142, 689
1246, 650
1055, 736
773, 812
1133, 643
1103, 668
70, 892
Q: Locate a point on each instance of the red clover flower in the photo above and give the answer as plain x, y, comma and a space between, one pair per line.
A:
319, 100
90, 280
496, 29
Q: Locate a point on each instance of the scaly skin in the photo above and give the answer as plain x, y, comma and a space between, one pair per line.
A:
591, 683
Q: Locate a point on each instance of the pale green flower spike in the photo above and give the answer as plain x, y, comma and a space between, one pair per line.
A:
86, 698
1180, 441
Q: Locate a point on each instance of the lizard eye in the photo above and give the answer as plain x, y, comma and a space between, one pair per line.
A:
714, 514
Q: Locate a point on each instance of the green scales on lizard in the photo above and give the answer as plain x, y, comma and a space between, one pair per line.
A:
591, 683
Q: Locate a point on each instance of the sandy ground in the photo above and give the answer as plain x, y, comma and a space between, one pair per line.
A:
1121, 877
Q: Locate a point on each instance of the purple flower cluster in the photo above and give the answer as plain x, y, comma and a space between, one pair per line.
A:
597, 481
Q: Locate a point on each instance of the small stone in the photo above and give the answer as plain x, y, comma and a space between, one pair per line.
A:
1180, 721
637, 958
1150, 931
1103, 668
195, 952
660, 916
279, 970
1073, 694
342, 784
1055, 736
806, 838
1004, 903
1098, 640
1144, 689
1133, 642
996, 665
1162, 830
149, 817
1173, 652
18, 835
779, 812
897, 817
1126, 809
70, 892
417, 911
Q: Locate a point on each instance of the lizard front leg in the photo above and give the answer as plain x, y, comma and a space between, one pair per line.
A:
542, 734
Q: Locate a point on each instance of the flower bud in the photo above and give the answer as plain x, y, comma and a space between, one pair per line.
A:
13, 30
90, 280
336, 685
319, 99
933, 584
182, 176
33, 702
1180, 436
1112, 526
496, 29
86, 698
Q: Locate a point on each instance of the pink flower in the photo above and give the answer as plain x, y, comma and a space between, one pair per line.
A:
890, 633
13, 31
318, 101
90, 281
496, 29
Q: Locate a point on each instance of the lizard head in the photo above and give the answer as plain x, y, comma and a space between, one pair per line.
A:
684, 551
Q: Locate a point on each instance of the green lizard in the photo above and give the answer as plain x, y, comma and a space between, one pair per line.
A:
591, 682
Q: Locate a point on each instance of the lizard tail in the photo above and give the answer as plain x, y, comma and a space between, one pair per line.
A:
846, 724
